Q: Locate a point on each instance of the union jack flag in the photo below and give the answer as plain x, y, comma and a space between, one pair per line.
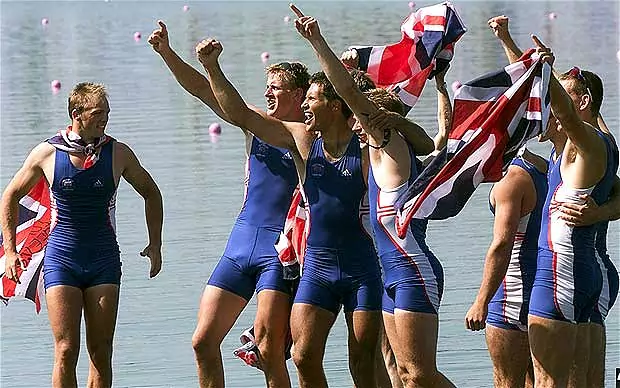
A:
32, 232
426, 48
494, 116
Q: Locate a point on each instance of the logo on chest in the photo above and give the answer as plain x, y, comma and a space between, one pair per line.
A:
98, 183
317, 169
262, 151
67, 184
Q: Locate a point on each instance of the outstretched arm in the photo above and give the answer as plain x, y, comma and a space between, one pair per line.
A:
271, 130
336, 72
144, 184
583, 136
444, 112
499, 26
359, 104
189, 78
508, 195
24, 180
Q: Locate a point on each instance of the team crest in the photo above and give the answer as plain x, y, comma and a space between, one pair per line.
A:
67, 184
317, 169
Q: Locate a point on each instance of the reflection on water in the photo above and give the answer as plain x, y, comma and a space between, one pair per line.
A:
202, 181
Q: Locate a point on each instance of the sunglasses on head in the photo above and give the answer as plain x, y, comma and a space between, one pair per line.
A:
575, 72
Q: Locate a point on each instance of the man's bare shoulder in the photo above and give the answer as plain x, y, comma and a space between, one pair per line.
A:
41, 152
513, 185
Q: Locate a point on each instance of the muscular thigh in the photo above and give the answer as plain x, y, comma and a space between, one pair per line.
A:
64, 309
100, 311
310, 326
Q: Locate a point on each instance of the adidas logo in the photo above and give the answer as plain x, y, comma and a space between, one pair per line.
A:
346, 173
98, 184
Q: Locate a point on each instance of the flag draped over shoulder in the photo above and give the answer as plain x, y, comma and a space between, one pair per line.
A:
35, 223
32, 231
494, 115
426, 47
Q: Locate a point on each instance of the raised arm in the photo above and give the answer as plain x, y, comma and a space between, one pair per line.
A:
273, 131
189, 78
499, 26
143, 183
508, 195
335, 71
444, 112
24, 180
582, 135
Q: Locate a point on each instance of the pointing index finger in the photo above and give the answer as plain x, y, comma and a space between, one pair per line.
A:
538, 42
162, 25
296, 10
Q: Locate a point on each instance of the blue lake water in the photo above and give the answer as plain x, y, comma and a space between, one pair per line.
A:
202, 181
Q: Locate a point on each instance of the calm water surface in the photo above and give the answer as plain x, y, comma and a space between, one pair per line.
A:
202, 181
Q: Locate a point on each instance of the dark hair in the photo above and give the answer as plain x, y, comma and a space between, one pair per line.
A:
295, 74
385, 99
319, 78
362, 80
586, 82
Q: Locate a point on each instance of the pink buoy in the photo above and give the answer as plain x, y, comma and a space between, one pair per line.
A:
56, 84
456, 85
215, 129
45, 21
552, 16
137, 35
185, 8
264, 56
411, 5
287, 19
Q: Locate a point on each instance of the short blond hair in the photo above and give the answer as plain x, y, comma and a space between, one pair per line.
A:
385, 99
83, 93
295, 74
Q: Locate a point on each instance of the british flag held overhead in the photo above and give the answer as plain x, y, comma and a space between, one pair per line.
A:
426, 47
32, 231
494, 115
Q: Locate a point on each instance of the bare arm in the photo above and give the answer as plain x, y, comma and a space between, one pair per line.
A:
335, 71
582, 135
271, 130
508, 195
499, 25
188, 77
444, 112
24, 180
144, 185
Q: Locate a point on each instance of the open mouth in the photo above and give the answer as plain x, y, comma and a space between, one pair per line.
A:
271, 104
308, 116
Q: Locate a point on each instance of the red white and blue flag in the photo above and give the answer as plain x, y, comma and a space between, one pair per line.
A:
494, 116
32, 232
426, 48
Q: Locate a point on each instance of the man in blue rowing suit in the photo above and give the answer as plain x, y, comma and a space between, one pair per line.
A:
81, 265
568, 278
413, 277
502, 303
250, 262
340, 266
588, 214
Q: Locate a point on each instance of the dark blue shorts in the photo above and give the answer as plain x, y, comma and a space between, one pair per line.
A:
80, 270
412, 283
333, 277
565, 289
250, 262
609, 290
